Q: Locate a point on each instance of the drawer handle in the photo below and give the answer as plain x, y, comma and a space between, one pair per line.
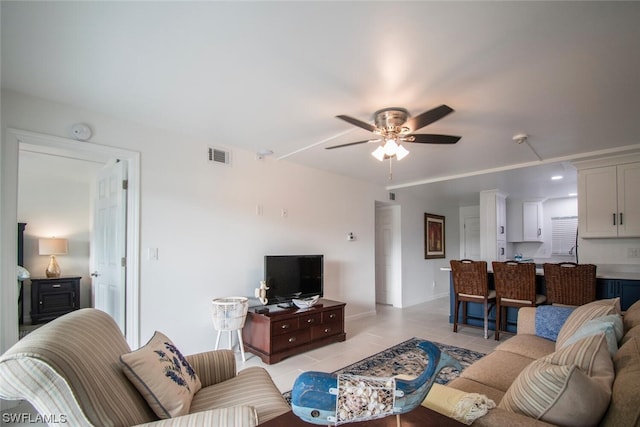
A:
311, 320
55, 286
327, 330
286, 326
292, 339
332, 316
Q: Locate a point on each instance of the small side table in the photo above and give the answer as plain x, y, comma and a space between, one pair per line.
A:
53, 297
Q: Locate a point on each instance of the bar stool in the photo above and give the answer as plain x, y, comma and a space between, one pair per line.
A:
569, 283
515, 287
229, 314
470, 284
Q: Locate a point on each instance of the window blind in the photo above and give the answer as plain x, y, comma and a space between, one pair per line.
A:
563, 235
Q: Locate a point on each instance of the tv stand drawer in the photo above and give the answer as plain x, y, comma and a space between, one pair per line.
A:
336, 315
310, 320
326, 330
283, 342
278, 334
284, 326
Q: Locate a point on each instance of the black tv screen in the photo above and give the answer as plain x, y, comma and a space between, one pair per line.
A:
293, 276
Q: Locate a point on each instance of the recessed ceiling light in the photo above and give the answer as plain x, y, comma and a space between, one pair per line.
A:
573, 194
556, 177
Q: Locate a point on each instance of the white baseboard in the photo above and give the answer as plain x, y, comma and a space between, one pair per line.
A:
361, 315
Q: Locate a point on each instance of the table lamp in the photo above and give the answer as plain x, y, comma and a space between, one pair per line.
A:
53, 247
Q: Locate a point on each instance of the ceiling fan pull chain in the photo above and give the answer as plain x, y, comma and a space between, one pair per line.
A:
390, 168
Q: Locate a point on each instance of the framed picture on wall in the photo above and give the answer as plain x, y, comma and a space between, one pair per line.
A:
433, 236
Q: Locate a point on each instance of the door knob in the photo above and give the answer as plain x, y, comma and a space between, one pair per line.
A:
95, 274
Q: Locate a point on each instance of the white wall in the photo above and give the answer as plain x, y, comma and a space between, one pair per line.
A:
422, 279
202, 217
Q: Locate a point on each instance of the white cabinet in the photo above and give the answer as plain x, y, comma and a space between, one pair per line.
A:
609, 201
524, 222
501, 217
532, 221
493, 225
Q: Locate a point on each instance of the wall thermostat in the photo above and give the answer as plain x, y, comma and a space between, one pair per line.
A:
81, 132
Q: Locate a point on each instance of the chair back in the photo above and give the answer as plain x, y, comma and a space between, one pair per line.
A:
569, 283
469, 277
70, 369
514, 280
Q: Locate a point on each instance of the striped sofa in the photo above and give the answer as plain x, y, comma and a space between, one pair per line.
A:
69, 370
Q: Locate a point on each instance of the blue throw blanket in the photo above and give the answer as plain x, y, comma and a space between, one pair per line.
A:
549, 320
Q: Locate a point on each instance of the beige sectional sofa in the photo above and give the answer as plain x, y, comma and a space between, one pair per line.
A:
609, 396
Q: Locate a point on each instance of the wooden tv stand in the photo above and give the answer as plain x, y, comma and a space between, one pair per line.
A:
284, 332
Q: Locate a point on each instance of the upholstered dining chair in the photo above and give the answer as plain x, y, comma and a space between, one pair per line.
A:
470, 284
569, 283
515, 285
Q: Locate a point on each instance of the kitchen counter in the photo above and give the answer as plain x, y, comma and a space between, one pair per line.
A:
613, 280
603, 271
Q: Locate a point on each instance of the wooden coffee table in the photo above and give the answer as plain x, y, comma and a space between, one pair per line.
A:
419, 417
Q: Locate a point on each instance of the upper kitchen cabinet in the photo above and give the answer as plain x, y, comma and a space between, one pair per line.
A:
524, 221
608, 197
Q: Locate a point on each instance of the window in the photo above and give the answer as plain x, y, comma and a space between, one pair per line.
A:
563, 235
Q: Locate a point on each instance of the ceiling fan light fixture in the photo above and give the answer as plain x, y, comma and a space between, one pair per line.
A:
390, 147
401, 153
378, 153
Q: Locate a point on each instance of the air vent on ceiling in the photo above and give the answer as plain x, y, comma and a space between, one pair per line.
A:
217, 155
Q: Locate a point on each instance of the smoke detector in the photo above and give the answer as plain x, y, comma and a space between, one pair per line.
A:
520, 138
81, 132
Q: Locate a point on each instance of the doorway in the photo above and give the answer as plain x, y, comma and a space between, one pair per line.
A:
18, 140
388, 255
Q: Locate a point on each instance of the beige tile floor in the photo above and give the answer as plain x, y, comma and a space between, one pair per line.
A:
371, 334
366, 336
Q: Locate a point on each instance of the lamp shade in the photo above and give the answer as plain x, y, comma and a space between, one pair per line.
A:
53, 246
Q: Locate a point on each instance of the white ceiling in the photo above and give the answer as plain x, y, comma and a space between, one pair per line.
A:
272, 75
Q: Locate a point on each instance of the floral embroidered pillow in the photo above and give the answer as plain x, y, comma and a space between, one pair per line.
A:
163, 376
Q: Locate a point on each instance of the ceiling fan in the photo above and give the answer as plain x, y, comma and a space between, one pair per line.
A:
395, 125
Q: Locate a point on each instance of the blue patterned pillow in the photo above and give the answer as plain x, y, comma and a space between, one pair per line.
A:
549, 320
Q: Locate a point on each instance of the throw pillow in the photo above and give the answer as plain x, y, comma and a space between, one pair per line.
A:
571, 387
583, 314
633, 332
163, 376
631, 319
624, 409
610, 325
549, 320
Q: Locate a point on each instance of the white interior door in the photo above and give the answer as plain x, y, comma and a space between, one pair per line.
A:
108, 245
471, 248
387, 267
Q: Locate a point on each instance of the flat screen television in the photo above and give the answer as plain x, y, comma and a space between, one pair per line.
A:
293, 276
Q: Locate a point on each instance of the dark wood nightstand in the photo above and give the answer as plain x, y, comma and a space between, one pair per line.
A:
53, 297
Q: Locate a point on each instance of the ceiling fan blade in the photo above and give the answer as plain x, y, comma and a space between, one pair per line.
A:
428, 117
346, 145
434, 139
359, 123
